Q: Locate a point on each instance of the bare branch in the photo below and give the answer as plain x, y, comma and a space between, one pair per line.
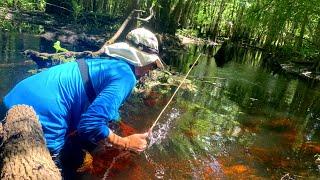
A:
147, 19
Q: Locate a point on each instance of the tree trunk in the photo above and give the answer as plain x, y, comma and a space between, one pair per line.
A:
189, 5
316, 36
94, 6
237, 27
217, 23
303, 29
162, 16
175, 16
24, 154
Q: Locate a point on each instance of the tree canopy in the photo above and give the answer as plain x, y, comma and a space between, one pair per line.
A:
292, 25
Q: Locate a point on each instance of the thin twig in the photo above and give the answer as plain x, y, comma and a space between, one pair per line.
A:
123, 154
57, 6
147, 19
120, 30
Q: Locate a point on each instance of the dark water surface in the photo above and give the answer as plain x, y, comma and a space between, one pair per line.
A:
244, 121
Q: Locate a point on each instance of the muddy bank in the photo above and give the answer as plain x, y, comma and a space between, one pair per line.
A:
88, 32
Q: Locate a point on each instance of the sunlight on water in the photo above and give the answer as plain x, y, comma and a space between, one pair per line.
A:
159, 169
160, 131
209, 165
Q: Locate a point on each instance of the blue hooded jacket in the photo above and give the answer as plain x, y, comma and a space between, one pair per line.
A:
59, 99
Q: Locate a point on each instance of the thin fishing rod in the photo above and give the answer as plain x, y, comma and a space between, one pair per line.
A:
175, 92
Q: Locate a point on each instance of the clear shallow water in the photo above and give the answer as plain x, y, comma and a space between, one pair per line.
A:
243, 122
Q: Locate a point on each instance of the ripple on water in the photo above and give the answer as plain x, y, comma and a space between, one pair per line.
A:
159, 133
161, 130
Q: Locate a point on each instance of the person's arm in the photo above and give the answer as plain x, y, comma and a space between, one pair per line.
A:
93, 125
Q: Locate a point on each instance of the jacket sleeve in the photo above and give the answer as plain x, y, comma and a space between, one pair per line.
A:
93, 125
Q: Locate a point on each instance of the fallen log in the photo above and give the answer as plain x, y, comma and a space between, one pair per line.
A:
23, 153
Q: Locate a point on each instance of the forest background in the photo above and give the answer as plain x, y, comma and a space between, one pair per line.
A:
288, 28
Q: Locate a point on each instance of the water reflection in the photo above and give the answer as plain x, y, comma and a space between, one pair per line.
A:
244, 121
12, 66
161, 130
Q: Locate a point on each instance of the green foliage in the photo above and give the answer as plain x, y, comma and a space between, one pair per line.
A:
77, 8
24, 4
187, 32
293, 25
61, 58
58, 47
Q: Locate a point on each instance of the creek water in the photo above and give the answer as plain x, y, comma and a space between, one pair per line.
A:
245, 121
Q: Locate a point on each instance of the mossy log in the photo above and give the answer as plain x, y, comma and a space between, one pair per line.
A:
23, 153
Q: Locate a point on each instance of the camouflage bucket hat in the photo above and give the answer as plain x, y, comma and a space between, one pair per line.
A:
141, 48
144, 40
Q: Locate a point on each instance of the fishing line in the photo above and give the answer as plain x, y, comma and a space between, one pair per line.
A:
175, 92
154, 123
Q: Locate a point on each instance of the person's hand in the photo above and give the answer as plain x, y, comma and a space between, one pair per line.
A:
136, 142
